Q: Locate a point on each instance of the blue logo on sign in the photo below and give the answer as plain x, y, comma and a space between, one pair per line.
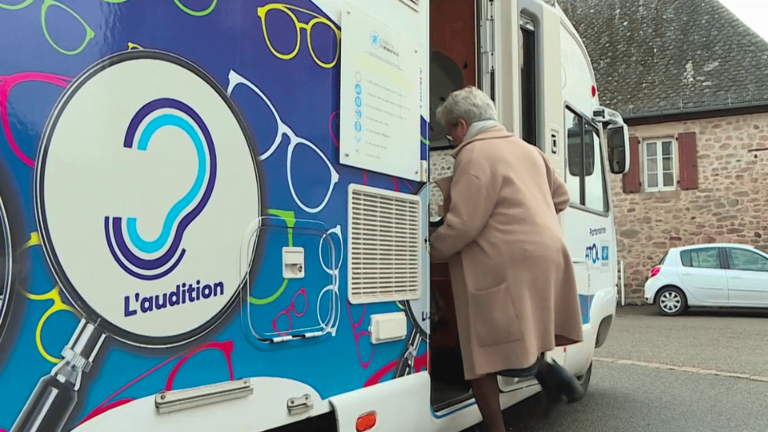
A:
152, 259
374, 39
592, 254
358, 88
358, 102
358, 126
358, 114
605, 253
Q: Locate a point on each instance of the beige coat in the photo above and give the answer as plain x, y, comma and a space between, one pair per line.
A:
512, 276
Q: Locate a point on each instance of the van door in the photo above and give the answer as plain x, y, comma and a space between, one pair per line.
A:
486, 66
539, 104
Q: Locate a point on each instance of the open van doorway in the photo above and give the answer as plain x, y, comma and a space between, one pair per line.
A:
453, 65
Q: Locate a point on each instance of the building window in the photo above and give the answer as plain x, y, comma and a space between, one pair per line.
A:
659, 165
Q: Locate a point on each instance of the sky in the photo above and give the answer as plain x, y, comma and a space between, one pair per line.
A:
754, 13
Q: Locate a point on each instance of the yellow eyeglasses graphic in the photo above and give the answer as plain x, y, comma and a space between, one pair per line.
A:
273, 12
58, 305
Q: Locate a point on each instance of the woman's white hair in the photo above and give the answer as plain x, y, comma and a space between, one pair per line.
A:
470, 104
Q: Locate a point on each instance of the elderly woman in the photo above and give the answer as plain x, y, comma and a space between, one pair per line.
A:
512, 277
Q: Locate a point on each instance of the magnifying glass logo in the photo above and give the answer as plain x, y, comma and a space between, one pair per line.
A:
143, 230
168, 241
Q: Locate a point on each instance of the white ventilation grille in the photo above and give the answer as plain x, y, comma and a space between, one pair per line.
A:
384, 245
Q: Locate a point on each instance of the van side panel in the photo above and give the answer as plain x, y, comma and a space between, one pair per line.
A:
278, 64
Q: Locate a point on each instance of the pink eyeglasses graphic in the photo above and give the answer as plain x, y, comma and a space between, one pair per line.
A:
7, 82
291, 311
358, 334
226, 348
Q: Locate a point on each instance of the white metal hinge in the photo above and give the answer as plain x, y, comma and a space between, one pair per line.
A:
487, 43
301, 404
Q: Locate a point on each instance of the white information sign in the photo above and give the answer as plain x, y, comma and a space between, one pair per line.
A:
380, 112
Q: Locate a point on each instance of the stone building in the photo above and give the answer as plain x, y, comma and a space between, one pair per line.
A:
691, 81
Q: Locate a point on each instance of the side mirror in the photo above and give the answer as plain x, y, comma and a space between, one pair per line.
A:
618, 148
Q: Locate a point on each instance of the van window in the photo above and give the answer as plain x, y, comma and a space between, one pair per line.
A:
585, 180
528, 80
701, 258
574, 147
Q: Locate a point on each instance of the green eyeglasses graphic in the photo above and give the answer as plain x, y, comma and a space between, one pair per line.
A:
89, 33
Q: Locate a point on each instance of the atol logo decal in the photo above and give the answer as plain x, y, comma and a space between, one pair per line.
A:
157, 257
592, 254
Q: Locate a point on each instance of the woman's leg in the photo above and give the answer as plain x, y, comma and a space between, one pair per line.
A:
486, 390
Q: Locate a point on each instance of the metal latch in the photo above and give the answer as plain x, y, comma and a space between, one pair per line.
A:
300, 404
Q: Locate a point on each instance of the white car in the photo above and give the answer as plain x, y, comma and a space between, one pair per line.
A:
730, 275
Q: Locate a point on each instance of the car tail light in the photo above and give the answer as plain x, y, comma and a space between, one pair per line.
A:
655, 271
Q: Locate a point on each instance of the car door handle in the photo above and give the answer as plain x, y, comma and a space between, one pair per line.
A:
736, 277
687, 274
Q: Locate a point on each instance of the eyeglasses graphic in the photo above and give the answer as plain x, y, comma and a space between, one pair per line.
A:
54, 295
275, 9
331, 322
181, 6
89, 33
7, 83
328, 318
291, 311
358, 334
226, 348
284, 130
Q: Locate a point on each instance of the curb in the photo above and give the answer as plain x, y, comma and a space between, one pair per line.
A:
693, 370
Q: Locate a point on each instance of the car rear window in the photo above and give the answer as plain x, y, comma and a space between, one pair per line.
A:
664, 258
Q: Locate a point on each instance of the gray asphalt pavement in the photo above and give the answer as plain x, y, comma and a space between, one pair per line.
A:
626, 398
720, 339
629, 398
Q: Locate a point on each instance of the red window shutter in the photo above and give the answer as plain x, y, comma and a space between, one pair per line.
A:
686, 150
632, 177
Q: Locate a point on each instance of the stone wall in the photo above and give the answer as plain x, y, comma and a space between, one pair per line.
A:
729, 206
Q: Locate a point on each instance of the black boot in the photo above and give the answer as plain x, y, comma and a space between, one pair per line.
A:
557, 384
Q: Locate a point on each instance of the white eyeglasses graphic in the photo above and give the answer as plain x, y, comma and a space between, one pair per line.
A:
283, 129
335, 314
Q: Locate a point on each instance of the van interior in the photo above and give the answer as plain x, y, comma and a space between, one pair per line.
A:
454, 64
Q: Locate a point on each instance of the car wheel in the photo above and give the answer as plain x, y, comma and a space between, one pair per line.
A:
584, 383
671, 301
